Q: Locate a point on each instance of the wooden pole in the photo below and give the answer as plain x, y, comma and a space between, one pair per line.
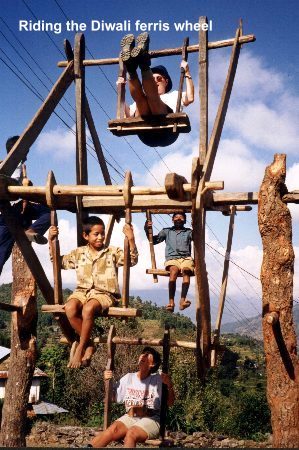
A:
81, 155
165, 369
22, 356
282, 362
128, 198
108, 383
168, 52
203, 59
223, 286
151, 244
21, 148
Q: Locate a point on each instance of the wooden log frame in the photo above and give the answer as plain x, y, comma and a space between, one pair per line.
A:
151, 245
128, 198
96, 142
111, 347
198, 216
282, 362
81, 155
33, 262
22, 356
216, 333
165, 369
168, 52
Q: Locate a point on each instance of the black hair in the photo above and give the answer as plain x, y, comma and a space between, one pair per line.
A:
89, 222
181, 213
11, 142
156, 357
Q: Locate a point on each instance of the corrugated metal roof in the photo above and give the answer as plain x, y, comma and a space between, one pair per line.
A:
4, 352
47, 408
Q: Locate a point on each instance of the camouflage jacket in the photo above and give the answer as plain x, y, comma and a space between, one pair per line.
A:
98, 272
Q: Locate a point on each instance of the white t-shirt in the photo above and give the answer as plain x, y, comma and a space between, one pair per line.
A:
132, 391
170, 99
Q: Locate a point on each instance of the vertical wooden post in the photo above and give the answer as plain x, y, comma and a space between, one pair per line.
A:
151, 244
108, 383
165, 369
128, 198
81, 156
223, 285
203, 55
23, 354
282, 362
121, 91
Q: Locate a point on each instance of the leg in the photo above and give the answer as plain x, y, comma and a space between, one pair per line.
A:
41, 215
150, 88
184, 303
136, 91
6, 243
173, 274
134, 435
89, 310
115, 432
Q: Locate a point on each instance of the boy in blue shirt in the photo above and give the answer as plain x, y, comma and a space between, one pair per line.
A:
178, 257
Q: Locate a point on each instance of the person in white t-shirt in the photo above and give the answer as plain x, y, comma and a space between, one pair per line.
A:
151, 94
141, 394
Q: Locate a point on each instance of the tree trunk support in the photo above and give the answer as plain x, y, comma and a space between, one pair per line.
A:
23, 354
282, 363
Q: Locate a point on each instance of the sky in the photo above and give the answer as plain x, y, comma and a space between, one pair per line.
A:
262, 119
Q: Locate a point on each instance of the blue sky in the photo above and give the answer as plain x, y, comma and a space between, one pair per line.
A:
262, 117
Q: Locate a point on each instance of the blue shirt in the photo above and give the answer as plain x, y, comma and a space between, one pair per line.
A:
178, 242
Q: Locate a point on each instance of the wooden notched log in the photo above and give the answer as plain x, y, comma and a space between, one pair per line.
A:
277, 282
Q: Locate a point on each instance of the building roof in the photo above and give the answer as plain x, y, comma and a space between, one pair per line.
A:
47, 408
4, 353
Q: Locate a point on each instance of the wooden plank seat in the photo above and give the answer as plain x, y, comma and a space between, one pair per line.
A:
157, 123
162, 272
113, 311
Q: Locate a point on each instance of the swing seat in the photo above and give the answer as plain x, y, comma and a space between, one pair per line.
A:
158, 130
162, 272
113, 311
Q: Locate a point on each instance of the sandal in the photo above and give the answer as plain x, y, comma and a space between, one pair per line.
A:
170, 307
184, 304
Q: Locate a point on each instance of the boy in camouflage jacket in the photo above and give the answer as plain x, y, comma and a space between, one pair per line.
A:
97, 282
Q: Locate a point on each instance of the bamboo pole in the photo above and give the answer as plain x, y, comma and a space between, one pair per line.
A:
165, 369
127, 258
168, 52
223, 286
203, 90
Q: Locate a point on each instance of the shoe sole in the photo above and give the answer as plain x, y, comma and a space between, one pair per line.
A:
142, 42
127, 43
37, 238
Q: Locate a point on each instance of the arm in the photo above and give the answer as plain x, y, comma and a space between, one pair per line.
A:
188, 98
171, 395
129, 233
160, 237
53, 233
108, 375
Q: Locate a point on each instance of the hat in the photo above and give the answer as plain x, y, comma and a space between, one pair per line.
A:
161, 70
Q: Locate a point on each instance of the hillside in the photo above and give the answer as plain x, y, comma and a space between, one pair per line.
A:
253, 326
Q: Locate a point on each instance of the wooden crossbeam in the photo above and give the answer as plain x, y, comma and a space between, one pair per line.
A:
161, 272
113, 311
168, 52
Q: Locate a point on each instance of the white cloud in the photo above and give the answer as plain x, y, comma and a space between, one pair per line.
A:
59, 143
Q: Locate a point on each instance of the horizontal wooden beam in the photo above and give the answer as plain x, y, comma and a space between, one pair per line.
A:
167, 52
112, 311
140, 341
9, 307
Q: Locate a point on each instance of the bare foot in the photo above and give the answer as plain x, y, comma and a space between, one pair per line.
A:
75, 362
88, 355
